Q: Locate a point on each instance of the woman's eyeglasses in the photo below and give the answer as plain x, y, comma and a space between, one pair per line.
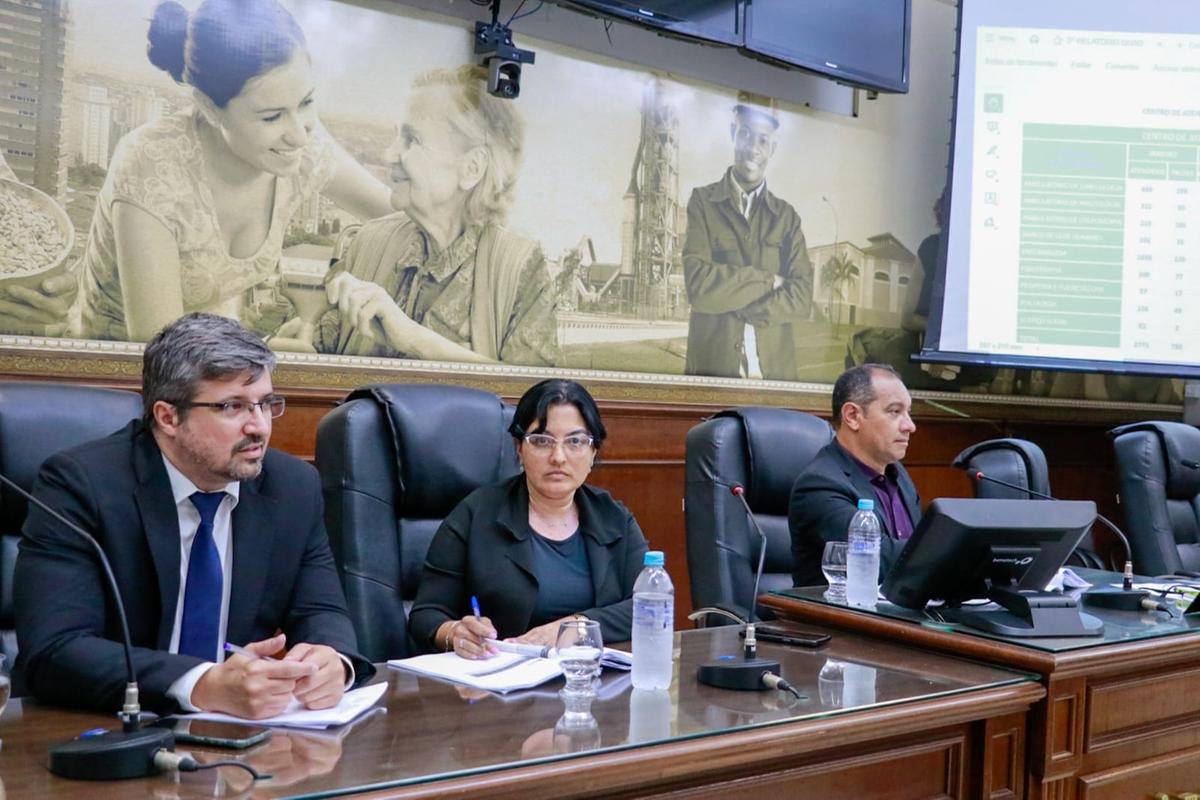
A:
575, 444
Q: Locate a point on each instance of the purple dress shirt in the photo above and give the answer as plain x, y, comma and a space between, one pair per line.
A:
887, 497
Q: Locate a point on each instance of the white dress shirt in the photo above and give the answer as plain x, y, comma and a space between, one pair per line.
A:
182, 490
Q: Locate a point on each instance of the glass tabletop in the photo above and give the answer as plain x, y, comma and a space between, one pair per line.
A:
1119, 626
434, 730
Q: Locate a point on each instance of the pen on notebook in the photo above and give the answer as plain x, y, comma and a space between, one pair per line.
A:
475, 607
534, 650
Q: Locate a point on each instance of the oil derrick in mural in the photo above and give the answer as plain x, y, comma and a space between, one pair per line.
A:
650, 253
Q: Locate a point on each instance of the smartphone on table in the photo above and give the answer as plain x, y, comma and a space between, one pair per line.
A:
215, 734
768, 632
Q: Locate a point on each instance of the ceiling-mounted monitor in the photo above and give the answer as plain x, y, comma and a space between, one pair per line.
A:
863, 43
710, 21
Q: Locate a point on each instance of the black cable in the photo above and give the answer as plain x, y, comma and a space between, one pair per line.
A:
528, 13
513, 16
773, 681
787, 687
189, 764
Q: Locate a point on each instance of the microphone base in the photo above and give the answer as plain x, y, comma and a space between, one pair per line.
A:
739, 674
1120, 599
112, 755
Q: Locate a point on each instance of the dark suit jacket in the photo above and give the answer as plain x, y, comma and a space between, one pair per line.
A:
824, 498
729, 268
483, 549
117, 489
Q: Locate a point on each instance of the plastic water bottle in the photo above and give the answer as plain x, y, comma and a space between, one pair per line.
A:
653, 625
862, 556
650, 715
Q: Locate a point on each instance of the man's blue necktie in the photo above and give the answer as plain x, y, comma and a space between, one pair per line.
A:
201, 620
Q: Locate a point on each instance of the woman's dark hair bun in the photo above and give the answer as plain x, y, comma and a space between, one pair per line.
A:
168, 38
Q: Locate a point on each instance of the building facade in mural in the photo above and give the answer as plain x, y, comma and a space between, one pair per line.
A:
862, 285
32, 57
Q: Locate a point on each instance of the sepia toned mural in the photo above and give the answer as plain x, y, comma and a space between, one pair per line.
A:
333, 175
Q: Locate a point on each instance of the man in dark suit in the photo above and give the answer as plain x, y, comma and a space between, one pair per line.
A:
212, 537
871, 410
745, 263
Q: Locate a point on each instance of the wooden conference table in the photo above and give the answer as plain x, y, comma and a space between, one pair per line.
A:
1121, 716
878, 720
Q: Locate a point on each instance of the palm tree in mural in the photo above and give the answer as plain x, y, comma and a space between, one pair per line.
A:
837, 273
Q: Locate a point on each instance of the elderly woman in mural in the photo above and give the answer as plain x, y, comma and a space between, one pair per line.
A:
479, 292
194, 208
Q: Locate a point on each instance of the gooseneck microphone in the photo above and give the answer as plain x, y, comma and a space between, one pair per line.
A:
1126, 598
751, 673
979, 476
739, 491
128, 753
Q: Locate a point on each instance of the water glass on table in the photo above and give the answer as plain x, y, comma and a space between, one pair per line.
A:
579, 647
833, 566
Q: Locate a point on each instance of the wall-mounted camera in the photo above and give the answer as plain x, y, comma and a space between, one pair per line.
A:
503, 60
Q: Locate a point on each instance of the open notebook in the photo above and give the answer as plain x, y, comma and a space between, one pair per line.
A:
353, 704
503, 672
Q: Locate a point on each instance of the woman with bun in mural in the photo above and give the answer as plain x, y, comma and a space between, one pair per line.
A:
195, 205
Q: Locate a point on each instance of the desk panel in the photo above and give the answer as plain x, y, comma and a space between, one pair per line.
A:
1118, 712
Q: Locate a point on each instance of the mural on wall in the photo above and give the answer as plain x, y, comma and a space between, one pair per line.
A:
335, 176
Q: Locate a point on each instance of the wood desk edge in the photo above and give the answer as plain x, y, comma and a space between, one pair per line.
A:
705, 758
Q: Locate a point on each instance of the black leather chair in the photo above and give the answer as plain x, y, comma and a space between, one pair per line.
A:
763, 450
1160, 494
394, 461
1016, 461
1020, 462
36, 421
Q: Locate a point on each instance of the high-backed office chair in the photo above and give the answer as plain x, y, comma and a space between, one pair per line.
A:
763, 450
36, 421
1016, 461
1019, 462
1160, 494
394, 461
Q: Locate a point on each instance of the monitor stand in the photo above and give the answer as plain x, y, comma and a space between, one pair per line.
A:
1028, 614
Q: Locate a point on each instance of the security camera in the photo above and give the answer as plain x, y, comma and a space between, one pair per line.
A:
504, 78
503, 60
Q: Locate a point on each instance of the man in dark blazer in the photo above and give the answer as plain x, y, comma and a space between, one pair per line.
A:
871, 408
745, 262
212, 538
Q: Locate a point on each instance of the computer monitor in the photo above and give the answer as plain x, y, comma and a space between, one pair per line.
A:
1003, 550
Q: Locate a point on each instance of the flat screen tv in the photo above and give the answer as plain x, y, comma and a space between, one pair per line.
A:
710, 21
863, 43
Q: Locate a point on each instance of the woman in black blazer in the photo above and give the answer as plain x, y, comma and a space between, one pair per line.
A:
535, 549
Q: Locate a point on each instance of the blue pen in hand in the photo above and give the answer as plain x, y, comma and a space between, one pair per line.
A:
230, 647
479, 615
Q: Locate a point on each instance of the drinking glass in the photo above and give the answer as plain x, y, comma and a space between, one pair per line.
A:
576, 732
5, 691
833, 565
579, 649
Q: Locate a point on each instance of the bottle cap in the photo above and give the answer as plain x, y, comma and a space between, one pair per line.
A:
866, 505
654, 558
